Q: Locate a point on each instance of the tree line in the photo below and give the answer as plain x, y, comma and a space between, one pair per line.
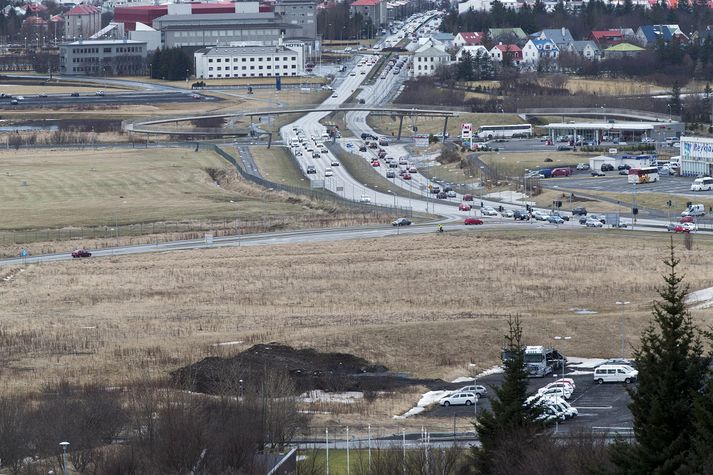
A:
146, 428
170, 64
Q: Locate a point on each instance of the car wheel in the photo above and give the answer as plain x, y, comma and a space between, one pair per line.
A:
627, 380
477, 396
446, 403
468, 403
600, 381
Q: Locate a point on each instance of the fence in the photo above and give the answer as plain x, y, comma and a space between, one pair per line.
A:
316, 194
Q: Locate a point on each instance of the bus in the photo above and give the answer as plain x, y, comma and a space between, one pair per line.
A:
504, 131
644, 175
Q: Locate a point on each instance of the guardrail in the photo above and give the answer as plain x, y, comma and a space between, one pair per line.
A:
311, 193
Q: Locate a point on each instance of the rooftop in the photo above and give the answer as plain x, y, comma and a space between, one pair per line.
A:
246, 50
625, 126
624, 47
365, 3
83, 10
103, 42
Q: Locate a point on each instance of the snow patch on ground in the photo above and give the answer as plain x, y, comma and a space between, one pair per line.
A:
584, 363
703, 298
228, 343
427, 399
347, 397
583, 311
489, 371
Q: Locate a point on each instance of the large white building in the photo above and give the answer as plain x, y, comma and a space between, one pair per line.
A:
248, 61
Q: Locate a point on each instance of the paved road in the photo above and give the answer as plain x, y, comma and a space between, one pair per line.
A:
266, 239
148, 97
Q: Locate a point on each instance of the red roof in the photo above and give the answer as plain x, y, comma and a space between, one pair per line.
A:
471, 37
606, 34
509, 48
83, 10
365, 3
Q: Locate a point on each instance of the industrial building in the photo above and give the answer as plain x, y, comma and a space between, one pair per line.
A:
696, 156
248, 61
103, 58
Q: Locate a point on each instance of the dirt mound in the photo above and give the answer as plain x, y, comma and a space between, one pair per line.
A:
309, 369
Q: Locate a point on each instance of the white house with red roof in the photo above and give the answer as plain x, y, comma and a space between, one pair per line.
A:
468, 38
501, 52
374, 9
82, 21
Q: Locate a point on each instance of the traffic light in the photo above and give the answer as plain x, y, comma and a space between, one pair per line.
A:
559, 204
528, 207
634, 211
481, 204
688, 204
669, 203
501, 209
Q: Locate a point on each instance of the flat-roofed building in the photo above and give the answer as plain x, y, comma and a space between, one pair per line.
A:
245, 61
103, 58
222, 29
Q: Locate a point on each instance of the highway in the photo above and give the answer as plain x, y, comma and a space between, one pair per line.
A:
109, 98
342, 183
272, 238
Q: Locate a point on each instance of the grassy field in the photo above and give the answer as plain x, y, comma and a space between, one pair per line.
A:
228, 81
95, 188
276, 165
428, 304
656, 200
386, 124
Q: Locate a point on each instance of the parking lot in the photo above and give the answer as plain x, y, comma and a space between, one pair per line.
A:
602, 407
616, 183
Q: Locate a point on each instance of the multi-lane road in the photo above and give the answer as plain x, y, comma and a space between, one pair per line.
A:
108, 98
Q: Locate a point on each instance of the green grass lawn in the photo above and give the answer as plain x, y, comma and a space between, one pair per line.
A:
276, 165
83, 188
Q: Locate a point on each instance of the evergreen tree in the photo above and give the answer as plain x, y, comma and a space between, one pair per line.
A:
465, 67
156, 64
511, 418
671, 370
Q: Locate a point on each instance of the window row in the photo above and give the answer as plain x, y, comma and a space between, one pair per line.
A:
252, 59
252, 68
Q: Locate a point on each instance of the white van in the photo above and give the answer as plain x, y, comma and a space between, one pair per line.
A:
694, 210
615, 373
702, 184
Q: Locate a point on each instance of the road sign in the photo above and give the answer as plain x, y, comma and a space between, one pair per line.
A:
209, 238
278, 83
23, 253
421, 140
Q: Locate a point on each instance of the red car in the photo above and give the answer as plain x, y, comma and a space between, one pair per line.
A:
406, 176
467, 197
464, 207
687, 219
375, 163
81, 253
472, 221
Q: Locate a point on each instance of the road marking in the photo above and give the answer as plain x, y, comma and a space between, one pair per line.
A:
593, 408
612, 428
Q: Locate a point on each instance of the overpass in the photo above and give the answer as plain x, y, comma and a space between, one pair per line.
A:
148, 126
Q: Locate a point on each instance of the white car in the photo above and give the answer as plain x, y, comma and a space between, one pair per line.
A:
488, 211
364, 199
459, 399
540, 215
328, 172
562, 392
479, 390
593, 223
564, 385
508, 213
569, 381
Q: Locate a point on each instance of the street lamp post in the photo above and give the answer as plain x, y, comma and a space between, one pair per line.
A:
621, 324
64, 446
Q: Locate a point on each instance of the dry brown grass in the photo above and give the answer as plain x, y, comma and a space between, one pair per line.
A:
386, 125
424, 304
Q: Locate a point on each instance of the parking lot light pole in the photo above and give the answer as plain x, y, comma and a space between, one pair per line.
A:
64, 456
621, 324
